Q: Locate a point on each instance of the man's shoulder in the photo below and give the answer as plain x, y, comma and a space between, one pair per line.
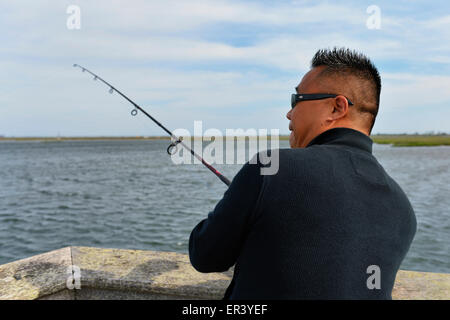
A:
262, 158
296, 154
271, 161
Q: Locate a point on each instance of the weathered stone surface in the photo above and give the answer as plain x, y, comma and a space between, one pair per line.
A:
64, 294
165, 273
412, 285
35, 277
106, 294
139, 274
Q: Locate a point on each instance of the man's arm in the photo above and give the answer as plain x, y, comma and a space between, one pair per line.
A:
215, 243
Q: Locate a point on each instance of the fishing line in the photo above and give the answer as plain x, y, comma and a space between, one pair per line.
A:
172, 148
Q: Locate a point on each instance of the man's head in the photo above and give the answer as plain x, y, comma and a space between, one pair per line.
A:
349, 75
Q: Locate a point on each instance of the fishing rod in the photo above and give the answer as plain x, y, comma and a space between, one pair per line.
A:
176, 140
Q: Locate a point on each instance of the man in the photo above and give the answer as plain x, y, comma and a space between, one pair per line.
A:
331, 224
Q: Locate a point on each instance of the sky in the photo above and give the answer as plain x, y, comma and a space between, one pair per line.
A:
229, 64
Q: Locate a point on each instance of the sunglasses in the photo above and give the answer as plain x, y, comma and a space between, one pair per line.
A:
295, 98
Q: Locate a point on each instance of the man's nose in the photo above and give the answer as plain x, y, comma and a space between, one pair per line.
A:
288, 115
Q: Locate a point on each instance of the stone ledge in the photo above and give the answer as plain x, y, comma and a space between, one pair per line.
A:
35, 277
139, 274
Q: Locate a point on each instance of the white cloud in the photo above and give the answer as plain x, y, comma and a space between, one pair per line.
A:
158, 54
408, 90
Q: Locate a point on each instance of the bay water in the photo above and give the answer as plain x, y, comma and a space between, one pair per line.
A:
129, 194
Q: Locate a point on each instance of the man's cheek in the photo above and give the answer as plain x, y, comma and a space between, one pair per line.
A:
292, 139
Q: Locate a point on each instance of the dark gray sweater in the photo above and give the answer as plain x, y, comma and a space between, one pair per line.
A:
311, 230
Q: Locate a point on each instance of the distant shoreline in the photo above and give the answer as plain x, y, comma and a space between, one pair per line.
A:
412, 140
398, 140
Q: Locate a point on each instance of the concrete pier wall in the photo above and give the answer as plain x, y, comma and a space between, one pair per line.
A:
96, 273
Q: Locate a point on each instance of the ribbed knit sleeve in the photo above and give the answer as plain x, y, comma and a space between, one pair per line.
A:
215, 243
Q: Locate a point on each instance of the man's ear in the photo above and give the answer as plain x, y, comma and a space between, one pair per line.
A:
340, 107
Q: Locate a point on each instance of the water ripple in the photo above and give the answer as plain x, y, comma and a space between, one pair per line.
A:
89, 193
